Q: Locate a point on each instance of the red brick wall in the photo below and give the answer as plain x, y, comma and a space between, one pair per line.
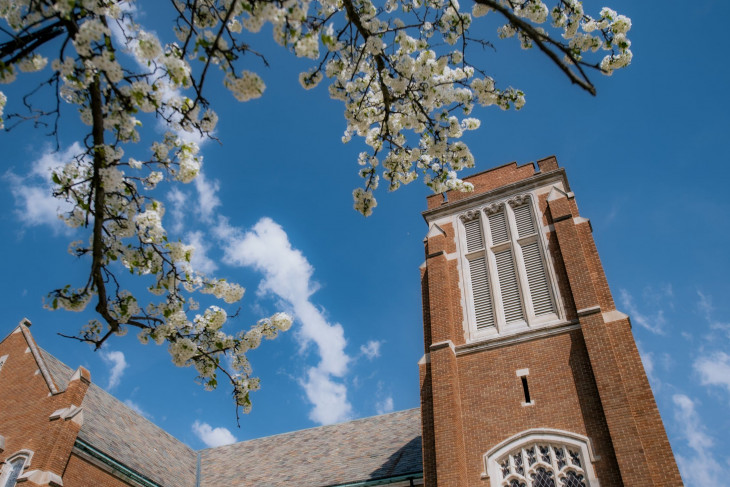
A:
588, 381
444, 294
486, 181
448, 427
662, 466
26, 403
561, 386
428, 443
79, 472
637, 432
25, 407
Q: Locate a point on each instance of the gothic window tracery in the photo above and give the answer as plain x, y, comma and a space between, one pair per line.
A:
542, 464
12, 470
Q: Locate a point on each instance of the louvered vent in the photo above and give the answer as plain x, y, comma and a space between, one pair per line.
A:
474, 239
537, 280
498, 226
523, 219
508, 284
483, 309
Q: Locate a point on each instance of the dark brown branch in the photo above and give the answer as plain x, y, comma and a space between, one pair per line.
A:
30, 42
97, 263
542, 40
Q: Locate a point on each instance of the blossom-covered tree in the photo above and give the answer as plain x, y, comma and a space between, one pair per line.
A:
403, 70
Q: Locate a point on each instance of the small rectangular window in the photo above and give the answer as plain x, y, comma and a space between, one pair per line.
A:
526, 389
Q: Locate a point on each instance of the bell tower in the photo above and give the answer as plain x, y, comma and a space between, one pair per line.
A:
531, 376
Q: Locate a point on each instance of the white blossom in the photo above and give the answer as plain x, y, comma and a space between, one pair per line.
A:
281, 321
3, 100
36, 62
246, 87
148, 46
404, 92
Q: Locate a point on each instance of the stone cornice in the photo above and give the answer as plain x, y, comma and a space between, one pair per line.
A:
530, 334
540, 179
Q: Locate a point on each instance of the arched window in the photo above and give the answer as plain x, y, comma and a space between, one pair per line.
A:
541, 458
13, 469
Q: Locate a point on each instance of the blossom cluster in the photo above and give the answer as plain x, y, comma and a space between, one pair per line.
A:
611, 26
3, 100
407, 97
401, 68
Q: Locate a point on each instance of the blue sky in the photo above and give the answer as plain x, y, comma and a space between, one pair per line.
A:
646, 158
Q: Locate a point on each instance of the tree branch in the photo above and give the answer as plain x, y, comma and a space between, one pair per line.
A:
541, 40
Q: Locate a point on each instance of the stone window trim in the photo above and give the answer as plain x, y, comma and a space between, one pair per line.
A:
493, 470
530, 320
7, 465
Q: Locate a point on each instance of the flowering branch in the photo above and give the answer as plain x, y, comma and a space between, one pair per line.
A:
406, 92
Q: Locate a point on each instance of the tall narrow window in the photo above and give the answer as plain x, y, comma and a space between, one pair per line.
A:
525, 389
507, 274
534, 261
478, 270
11, 472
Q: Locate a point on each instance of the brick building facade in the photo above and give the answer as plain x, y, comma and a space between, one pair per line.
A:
530, 378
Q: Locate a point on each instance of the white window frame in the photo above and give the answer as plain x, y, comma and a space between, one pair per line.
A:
26, 455
545, 436
529, 321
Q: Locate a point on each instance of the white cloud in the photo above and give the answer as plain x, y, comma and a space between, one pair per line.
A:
654, 324
706, 308
213, 437
701, 468
705, 305
723, 327
176, 200
384, 406
200, 262
208, 199
34, 201
137, 408
328, 397
117, 363
371, 349
287, 275
692, 428
714, 369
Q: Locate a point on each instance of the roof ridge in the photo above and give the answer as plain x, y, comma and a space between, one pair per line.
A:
99, 389
322, 427
37, 356
132, 411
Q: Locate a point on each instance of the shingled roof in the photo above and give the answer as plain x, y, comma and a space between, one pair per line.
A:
367, 449
370, 449
117, 431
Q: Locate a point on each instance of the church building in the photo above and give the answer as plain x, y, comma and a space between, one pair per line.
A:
530, 377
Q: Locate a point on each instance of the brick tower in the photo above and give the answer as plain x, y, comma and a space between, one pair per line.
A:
531, 376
